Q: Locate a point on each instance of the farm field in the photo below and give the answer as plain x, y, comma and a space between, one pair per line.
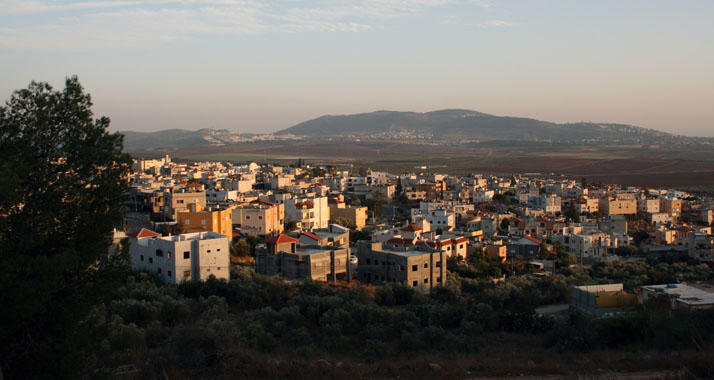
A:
626, 165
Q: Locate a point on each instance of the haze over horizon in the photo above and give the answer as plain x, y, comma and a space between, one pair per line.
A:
260, 67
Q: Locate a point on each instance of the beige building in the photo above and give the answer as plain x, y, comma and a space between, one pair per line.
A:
284, 256
259, 217
357, 216
497, 252
335, 236
421, 269
184, 257
609, 206
199, 219
672, 207
178, 201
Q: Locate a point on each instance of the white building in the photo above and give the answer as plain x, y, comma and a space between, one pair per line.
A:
193, 256
308, 212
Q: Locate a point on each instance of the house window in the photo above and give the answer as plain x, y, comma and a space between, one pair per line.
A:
151, 260
438, 280
217, 250
368, 262
426, 265
438, 264
415, 283
203, 222
159, 253
401, 268
168, 255
186, 273
415, 268
188, 221
247, 217
168, 273
426, 280
159, 270
187, 255
141, 258
260, 217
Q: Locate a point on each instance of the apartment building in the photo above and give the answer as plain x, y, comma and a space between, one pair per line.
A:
421, 268
334, 236
608, 206
259, 217
175, 201
283, 256
184, 257
200, 219
356, 216
308, 212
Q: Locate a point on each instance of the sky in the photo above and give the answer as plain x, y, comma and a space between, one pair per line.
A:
262, 66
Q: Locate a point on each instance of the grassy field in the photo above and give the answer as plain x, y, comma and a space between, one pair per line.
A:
627, 165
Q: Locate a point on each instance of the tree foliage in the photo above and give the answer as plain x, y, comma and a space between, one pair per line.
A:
64, 181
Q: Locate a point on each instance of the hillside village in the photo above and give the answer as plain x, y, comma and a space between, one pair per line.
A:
304, 222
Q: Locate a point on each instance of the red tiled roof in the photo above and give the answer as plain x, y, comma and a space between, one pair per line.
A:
460, 240
262, 202
334, 201
411, 227
308, 204
143, 233
311, 235
280, 239
531, 238
193, 185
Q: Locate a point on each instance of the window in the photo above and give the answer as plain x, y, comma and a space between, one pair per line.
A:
438, 264
426, 265
203, 222
260, 217
426, 280
415, 268
187, 255
186, 273
141, 258
180, 201
247, 217
401, 268
415, 283
438, 280
159, 253
151, 260
168, 255
188, 221
367, 262
168, 273
159, 270
208, 251
218, 250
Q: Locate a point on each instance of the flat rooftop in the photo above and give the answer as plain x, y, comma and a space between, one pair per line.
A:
404, 253
690, 294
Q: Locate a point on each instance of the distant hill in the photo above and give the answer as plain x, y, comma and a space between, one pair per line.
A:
444, 126
457, 124
167, 138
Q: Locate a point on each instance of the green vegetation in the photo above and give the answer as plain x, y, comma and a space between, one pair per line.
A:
64, 185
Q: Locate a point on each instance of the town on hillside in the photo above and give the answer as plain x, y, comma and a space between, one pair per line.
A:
322, 223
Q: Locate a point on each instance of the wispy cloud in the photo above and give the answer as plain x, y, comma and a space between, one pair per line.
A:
501, 24
110, 24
